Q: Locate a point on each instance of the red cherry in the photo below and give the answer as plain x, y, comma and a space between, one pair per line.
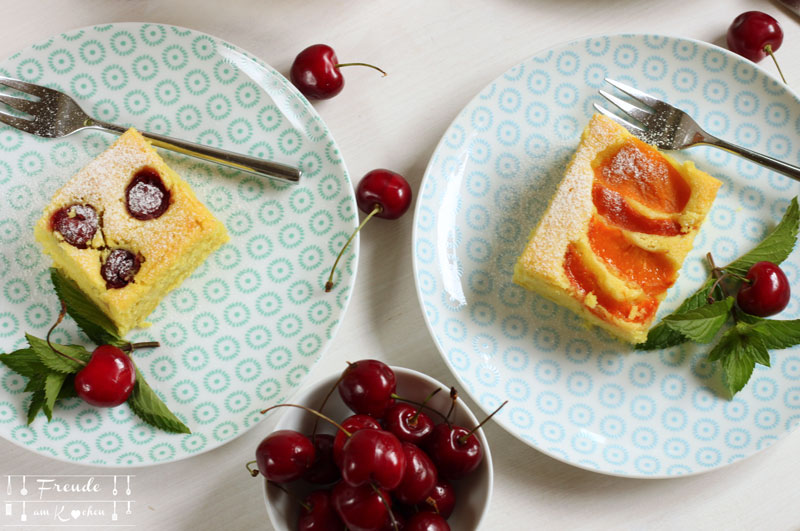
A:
767, 291
426, 521
373, 456
360, 508
380, 193
367, 387
119, 268
755, 35
352, 424
751, 33
455, 451
442, 499
284, 456
323, 470
321, 516
146, 197
315, 72
388, 525
419, 477
408, 423
77, 224
108, 378
386, 190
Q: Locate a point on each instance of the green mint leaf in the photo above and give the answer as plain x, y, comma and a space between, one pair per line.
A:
738, 367
775, 247
89, 317
146, 404
703, 323
36, 382
57, 362
23, 361
68, 389
37, 401
727, 343
662, 336
778, 334
52, 388
738, 351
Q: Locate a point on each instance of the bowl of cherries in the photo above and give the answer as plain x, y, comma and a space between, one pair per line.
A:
375, 448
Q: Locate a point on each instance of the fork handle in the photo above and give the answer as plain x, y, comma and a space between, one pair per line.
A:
266, 168
781, 167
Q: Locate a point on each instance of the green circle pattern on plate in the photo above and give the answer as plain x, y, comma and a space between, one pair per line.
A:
243, 331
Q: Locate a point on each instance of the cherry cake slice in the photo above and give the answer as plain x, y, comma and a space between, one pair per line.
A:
128, 229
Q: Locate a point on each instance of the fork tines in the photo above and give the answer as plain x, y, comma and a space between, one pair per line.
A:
643, 113
24, 86
25, 106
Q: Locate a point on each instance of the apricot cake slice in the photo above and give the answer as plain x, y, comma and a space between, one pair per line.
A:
617, 231
127, 229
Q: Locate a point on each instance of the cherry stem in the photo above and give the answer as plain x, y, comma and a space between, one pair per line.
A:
413, 420
463, 438
362, 64
61, 315
292, 497
317, 413
325, 401
768, 49
386, 504
248, 465
430, 501
329, 283
130, 347
454, 397
416, 403
720, 275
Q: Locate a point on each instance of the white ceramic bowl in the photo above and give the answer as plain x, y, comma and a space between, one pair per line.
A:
473, 493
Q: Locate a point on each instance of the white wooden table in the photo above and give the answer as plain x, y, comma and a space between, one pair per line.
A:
439, 54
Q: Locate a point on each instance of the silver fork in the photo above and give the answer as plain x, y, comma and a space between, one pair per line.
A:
667, 127
54, 114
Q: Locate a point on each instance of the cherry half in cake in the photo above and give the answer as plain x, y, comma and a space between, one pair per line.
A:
76, 223
120, 267
146, 196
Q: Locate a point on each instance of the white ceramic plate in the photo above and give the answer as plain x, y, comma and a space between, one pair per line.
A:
245, 329
577, 394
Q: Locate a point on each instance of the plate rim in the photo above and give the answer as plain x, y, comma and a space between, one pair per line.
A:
415, 263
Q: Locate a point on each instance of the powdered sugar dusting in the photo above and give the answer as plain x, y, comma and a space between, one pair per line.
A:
145, 198
630, 164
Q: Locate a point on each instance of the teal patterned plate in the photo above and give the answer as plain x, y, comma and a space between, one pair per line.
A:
243, 331
576, 394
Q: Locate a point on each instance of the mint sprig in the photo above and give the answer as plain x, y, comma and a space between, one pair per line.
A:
51, 375
750, 338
